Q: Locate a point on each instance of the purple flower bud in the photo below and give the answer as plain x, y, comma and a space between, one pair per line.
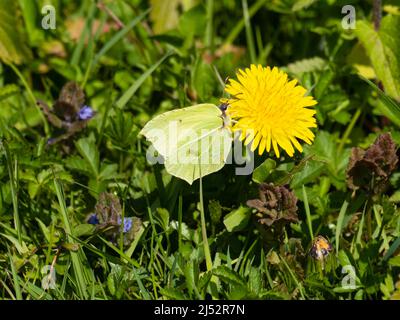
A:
86, 113
93, 219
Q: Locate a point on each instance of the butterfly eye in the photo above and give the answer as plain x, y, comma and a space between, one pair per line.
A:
223, 107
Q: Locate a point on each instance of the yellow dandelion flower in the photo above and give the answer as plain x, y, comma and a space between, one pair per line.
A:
269, 109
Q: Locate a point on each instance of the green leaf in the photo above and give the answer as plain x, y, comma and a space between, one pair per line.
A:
193, 22
302, 4
395, 262
389, 107
306, 65
215, 209
108, 171
237, 219
78, 164
31, 16
8, 90
326, 152
383, 49
88, 150
395, 245
171, 293
203, 80
323, 83
311, 170
83, 230
12, 42
164, 15
340, 225
204, 280
162, 216
261, 173
228, 276
344, 258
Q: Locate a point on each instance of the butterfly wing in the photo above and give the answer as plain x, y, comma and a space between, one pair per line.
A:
193, 141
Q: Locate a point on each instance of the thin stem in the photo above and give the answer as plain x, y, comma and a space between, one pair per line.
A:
13, 174
203, 229
180, 223
308, 213
209, 29
377, 14
249, 34
369, 219
348, 130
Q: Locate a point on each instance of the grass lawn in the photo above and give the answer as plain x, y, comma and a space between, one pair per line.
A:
274, 177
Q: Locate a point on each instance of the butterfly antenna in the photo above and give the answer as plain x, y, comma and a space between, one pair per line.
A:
220, 80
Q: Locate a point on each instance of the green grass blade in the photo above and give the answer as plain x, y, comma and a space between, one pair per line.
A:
76, 55
308, 214
76, 262
15, 276
240, 25
249, 32
136, 85
395, 245
180, 213
209, 29
293, 276
118, 36
207, 253
12, 172
390, 107
339, 225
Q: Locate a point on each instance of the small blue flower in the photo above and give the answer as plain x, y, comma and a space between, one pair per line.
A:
93, 219
86, 113
127, 224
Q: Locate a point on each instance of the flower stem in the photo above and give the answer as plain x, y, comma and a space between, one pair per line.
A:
348, 130
377, 14
203, 229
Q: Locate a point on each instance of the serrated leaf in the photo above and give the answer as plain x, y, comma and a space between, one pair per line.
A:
383, 49
204, 280
228, 276
306, 65
173, 294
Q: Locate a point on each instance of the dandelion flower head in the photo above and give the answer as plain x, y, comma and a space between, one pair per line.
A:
269, 110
